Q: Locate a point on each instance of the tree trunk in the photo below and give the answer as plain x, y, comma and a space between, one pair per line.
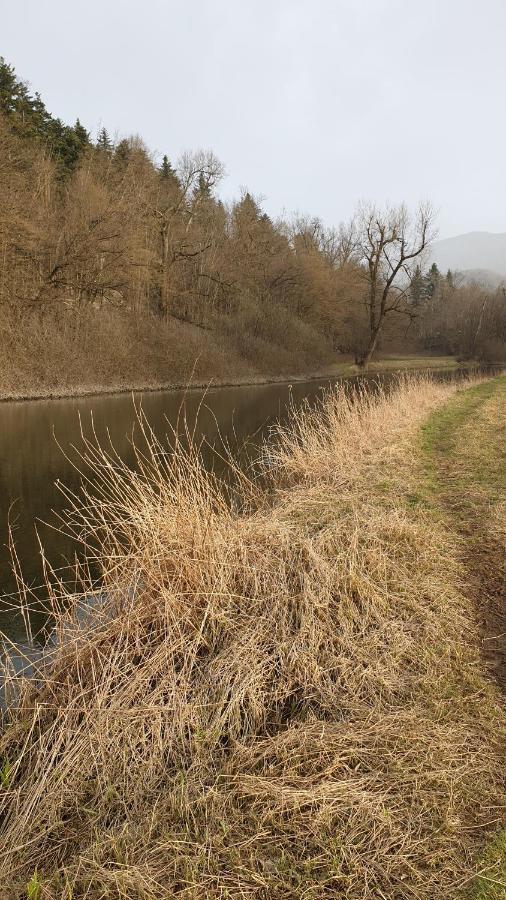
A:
164, 257
478, 327
371, 347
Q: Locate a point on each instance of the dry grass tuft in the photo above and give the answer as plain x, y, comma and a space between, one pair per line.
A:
278, 698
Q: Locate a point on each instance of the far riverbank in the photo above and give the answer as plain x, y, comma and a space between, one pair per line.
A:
345, 369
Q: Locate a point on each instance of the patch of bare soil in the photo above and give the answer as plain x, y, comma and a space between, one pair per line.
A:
485, 562
469, 452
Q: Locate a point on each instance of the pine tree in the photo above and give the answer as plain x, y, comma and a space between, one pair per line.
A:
30, 119
122, 152
248, 208
27, 115
65, 144
72, 143
202, 191
104, 142
12, 91
40, 119
82, 136
417, 287
165, 168
166, 171
432, 280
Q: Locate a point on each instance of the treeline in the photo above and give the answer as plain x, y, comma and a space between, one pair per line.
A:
116, 266
463, 319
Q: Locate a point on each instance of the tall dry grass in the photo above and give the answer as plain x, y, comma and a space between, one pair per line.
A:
279, 696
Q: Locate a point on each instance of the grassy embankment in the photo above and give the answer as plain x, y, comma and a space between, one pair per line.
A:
295, 701
464, 447
35, 387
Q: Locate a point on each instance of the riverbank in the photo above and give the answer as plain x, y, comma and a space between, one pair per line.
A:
336, 370
285, 697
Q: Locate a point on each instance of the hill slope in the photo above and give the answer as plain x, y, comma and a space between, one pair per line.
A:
477, 250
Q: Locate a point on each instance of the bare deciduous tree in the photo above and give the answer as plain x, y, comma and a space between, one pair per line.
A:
387, 244
173, 205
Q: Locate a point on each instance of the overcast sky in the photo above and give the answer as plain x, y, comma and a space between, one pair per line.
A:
312, 104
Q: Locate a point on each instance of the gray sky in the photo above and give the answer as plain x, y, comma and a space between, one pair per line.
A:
313, 104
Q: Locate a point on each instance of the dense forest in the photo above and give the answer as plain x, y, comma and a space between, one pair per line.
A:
120, 269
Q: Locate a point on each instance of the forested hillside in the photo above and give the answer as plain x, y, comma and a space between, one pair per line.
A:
118, 269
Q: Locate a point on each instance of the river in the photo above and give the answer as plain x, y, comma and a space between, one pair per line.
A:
37, 437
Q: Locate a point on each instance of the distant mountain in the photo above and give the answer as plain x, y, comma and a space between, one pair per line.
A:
479, 255
484, 277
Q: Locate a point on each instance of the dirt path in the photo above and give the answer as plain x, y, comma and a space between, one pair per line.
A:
465, 449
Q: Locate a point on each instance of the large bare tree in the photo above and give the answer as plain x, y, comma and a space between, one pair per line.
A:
172, 207
388, 243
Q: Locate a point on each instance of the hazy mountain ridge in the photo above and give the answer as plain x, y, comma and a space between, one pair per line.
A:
479, 255
484, 277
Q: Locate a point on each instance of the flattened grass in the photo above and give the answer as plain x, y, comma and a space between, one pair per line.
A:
464, 447
446, 434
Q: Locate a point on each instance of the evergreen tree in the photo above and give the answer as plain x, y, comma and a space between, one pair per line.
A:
202, 191
67, 143
40, 119
82, 136
27, 115
449, 279
247, 208
12, 91
432, 280
167, 173
30, 119
418, 287
104, 142
122, 152
166, 170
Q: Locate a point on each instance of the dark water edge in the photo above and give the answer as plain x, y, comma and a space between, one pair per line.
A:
37, 441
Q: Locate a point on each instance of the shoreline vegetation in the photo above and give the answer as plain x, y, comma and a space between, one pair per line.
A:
290, 694
348, 369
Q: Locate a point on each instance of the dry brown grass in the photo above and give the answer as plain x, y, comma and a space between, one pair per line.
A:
55, 355
51, 353
280, 697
